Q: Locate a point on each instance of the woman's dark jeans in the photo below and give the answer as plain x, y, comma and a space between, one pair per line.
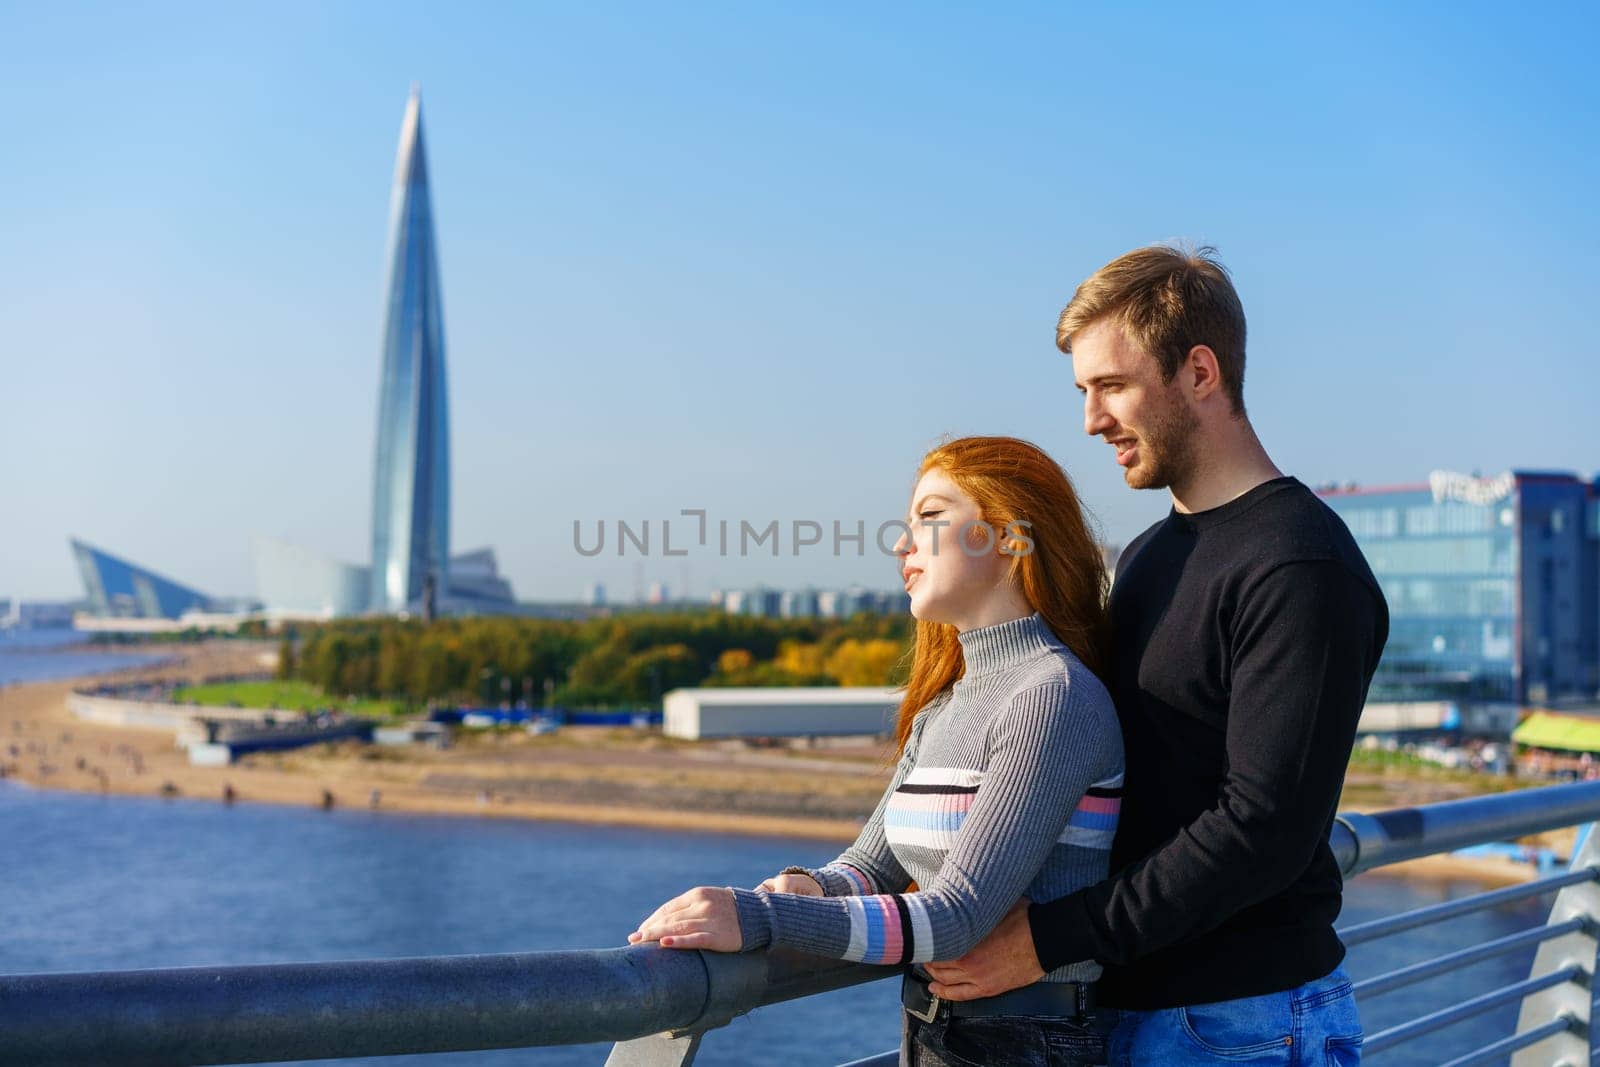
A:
1003, 1041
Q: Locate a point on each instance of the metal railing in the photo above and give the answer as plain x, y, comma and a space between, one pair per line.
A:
658, 1004
1553, 1026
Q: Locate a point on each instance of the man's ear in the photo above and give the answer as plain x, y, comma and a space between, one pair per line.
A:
1204, 374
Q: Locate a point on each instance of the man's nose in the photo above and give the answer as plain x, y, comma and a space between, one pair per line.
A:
1096, 420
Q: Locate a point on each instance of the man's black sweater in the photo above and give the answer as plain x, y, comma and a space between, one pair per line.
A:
1245, 639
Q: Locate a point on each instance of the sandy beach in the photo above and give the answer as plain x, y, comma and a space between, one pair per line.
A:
577, 774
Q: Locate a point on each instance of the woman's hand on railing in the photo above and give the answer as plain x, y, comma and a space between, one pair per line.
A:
799, 884
705, 917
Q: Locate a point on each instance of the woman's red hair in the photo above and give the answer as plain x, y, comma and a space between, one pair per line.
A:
1062, 576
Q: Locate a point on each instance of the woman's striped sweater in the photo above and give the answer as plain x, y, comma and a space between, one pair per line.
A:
1009, 786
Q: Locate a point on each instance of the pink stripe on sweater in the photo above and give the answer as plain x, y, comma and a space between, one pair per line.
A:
1101, 805
894, 943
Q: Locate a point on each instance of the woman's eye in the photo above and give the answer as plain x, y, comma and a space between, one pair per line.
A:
929, 514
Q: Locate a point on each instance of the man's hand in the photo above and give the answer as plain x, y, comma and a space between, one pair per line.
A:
1002, 961
706, 917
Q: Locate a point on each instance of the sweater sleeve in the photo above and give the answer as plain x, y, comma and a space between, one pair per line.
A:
1045, 751
1305, 642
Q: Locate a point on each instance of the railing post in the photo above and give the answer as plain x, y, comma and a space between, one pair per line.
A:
1573, 1046
657, 1050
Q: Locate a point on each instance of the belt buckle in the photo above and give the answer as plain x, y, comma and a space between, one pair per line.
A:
933, 1010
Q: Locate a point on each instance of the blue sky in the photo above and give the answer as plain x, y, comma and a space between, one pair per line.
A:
756, 260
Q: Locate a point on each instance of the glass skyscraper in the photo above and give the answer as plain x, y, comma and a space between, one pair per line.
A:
411, 479
411, 485
1491, 583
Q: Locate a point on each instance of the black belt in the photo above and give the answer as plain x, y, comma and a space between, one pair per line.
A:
1067, 999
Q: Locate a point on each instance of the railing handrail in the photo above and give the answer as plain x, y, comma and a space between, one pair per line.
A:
271, 1012
1362, 842
274, 1012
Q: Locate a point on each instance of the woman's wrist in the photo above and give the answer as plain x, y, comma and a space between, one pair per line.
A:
830, 881
755, 918
841, 880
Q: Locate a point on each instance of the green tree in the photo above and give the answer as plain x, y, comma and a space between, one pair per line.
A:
647, 675
286, 663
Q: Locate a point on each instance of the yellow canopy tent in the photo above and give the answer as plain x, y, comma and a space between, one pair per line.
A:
1568, 733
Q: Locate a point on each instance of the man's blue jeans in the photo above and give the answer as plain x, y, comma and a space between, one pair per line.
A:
1314, 1025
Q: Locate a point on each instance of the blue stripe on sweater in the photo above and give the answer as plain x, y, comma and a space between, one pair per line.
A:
1092, 820
875, 934
925, 820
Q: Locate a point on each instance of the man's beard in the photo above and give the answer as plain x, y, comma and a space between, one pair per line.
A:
1166, 449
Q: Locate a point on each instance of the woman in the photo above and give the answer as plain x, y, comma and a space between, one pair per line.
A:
1010, 768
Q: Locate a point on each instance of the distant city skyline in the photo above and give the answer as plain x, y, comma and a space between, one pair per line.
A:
754, 264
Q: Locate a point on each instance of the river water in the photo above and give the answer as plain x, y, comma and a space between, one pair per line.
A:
41, 655
95, 883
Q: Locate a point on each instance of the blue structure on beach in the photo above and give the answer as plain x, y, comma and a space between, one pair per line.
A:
411, 486
119, 589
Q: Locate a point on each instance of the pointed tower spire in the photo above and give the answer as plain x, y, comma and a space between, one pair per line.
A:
411, 485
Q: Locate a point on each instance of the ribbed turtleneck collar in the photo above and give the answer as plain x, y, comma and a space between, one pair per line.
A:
1003, 645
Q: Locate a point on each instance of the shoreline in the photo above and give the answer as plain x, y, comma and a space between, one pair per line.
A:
612, 778
146, 661
42, 745
570, 815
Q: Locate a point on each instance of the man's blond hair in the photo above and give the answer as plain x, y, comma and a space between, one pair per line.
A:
1167, 299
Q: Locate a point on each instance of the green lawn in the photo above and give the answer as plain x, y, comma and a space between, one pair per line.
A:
291, 696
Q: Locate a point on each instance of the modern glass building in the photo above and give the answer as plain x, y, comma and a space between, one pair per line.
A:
476, 584
411, 485
297, 582
119, 589
1491, 582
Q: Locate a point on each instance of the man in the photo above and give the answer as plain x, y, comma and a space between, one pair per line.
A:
1247, 628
